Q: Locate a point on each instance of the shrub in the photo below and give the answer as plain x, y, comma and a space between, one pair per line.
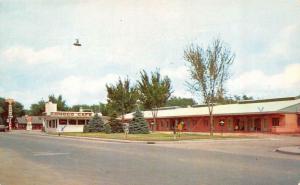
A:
96, 124
138, 124
107, 128
116, 125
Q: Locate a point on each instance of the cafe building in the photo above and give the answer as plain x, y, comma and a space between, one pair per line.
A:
65, 121
281, 115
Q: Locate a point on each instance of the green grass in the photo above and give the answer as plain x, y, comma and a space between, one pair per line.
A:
156, 136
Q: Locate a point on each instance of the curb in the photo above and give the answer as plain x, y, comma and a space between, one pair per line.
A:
98, 139
42, 134
86, 138
286, 151
90, 138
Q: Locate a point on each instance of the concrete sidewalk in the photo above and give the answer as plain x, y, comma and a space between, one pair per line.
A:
294, 150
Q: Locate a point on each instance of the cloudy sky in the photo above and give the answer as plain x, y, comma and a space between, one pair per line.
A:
122, 37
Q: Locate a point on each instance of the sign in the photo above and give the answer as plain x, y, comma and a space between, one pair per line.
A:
126, 128
221, 123
72, 114
180, 126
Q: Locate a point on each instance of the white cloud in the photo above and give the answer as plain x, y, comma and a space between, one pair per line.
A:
257, 83
286, 45
31, 56
74, 89
83, 89
178, 75
124, 37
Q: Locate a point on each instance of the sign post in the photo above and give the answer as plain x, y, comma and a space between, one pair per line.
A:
222, 125
29, 122
126, 129
10, 111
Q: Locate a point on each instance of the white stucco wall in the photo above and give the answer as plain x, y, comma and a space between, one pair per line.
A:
66, 128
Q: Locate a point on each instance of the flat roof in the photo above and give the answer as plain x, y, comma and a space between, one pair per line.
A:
282, 105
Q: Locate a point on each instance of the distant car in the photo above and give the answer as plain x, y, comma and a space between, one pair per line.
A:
3, 128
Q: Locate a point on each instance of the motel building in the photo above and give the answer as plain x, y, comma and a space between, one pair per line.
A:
281, 115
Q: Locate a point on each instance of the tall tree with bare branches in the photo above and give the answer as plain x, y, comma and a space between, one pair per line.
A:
209, 70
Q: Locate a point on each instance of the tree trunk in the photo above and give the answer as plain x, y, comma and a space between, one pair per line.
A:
154, 114
122, 117
211, 121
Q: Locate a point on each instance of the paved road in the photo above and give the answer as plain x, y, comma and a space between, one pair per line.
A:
34, 159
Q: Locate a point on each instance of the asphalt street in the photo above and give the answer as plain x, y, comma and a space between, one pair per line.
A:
34, 159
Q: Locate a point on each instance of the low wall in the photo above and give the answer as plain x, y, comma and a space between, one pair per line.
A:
66, 128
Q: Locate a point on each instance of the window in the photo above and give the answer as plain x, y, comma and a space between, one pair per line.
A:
275, 122
298, 120
229, 125
206, 123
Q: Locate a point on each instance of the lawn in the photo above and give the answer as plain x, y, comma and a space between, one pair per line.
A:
156, 136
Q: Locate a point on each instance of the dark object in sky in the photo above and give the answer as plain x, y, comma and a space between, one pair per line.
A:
77, 43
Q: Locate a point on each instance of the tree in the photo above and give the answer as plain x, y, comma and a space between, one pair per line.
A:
154, 91
37, 109
61, 104
138, 124
115, 124
121, 97
18, 110
178, 101
105, 109
93, 108
209, 70
1, 121
96, 124
234, 99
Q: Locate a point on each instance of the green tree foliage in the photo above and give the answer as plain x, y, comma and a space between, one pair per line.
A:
37, 109
93, 108
138, 124
121, 97
76, 108
232, 99
154, 91
2, 121
178, 101
106, 109
96, 124
209, 70
18, 110
61, 104
116, 125
1, 110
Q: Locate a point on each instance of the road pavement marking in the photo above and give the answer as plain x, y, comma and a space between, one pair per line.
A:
48, 154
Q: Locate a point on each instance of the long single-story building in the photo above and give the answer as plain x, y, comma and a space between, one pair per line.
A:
280, 115
29, 123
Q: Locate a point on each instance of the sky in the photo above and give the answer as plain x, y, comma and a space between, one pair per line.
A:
121, 37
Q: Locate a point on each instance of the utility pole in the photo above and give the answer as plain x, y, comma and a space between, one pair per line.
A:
10, 115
